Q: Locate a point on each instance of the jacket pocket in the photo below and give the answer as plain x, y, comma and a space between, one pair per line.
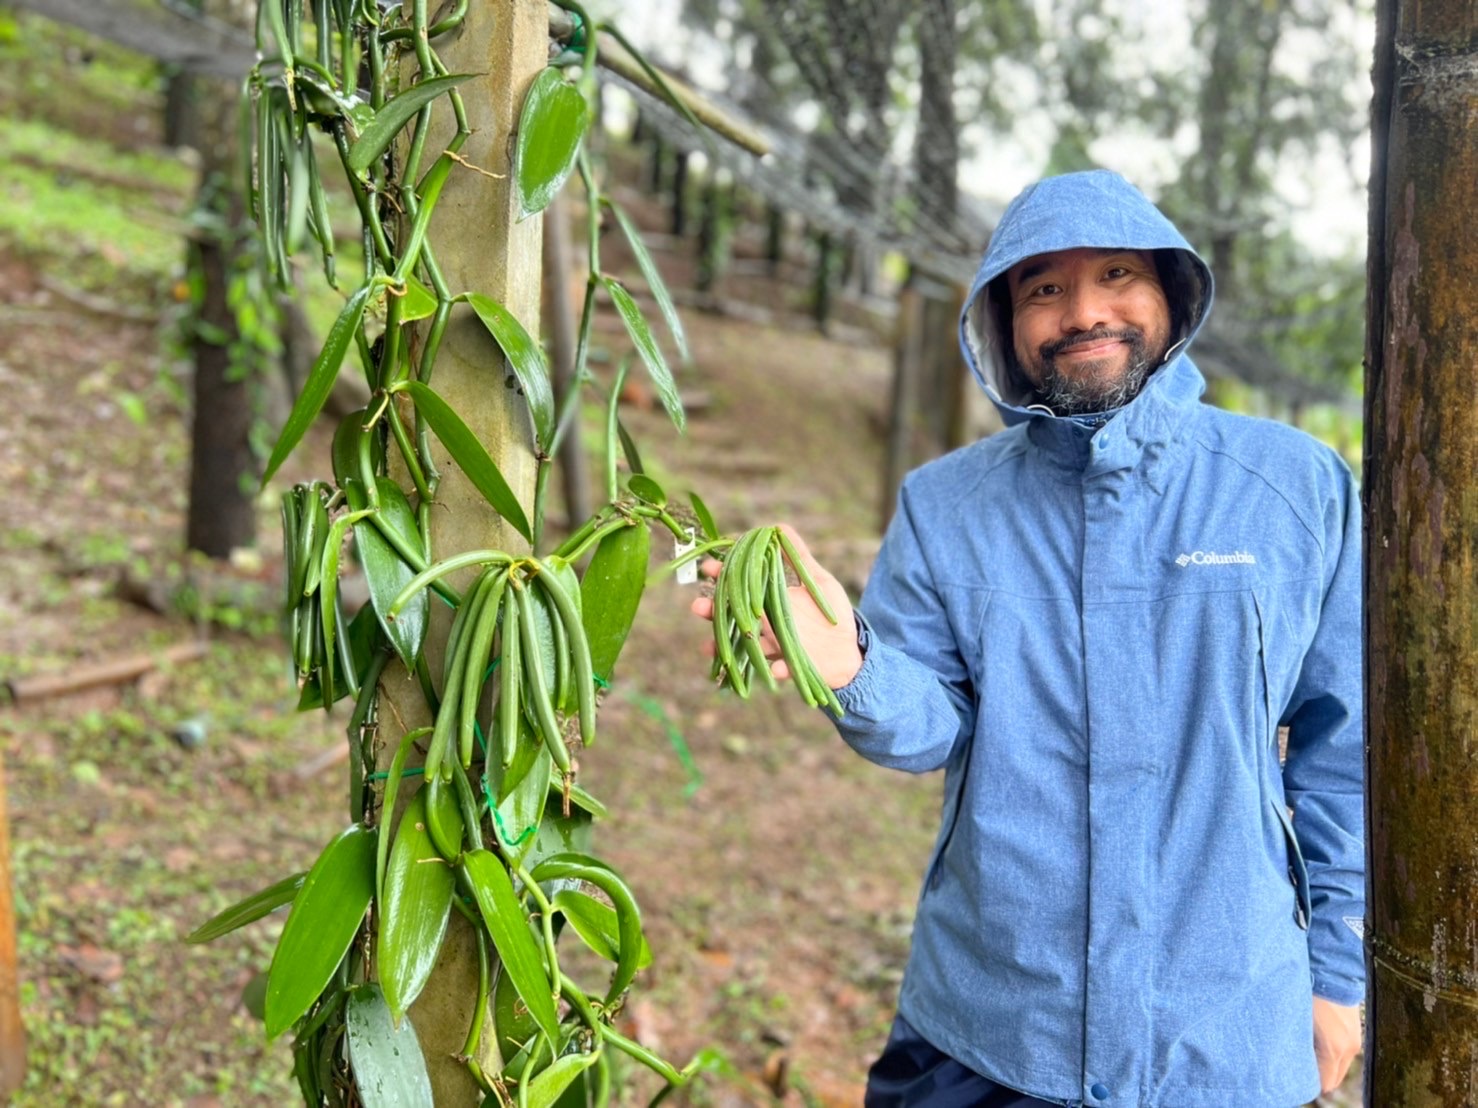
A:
1298, 873
949, 819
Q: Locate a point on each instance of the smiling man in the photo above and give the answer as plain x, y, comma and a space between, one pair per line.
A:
1096, 623
1088, 325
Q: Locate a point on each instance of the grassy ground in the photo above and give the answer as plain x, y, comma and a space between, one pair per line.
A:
776, 871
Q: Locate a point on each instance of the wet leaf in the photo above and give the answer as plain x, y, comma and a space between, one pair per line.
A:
320, 380
389, 1068
469, 454
509, 928
611, 592
248, 910
526, 358
418, 901
325, 916
376, 135
386, 572
550, 127
651, 353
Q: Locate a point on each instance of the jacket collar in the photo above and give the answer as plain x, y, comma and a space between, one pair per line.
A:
1137, 436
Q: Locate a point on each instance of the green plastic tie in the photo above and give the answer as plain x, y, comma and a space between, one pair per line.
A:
414, 771
654, 709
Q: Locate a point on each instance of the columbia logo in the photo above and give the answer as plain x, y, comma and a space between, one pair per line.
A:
1207, 558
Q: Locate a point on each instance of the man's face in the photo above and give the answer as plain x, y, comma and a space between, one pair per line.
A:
1088, 326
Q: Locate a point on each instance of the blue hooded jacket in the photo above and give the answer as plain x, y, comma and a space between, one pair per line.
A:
1096, 628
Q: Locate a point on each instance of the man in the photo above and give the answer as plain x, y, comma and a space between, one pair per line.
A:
1095, 622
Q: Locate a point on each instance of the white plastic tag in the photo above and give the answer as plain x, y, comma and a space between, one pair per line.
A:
687, 573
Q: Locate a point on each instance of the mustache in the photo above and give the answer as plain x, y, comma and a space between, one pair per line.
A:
1131, 335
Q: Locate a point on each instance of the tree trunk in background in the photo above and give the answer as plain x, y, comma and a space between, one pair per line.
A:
680, 193
181, 117
223, 468
1421, 495
936, 155
1232, 106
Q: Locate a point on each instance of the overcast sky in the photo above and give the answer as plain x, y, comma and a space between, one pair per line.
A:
1324, 193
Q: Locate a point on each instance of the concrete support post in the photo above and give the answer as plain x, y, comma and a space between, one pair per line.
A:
482, 248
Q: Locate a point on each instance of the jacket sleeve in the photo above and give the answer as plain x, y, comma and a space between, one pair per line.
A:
1325, 769
912, 701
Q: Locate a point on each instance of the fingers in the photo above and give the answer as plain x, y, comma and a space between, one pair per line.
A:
702, 606
710, 568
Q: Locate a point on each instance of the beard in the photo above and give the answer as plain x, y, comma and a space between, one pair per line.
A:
1097, 386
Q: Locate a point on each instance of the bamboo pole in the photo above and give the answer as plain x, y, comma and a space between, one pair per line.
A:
481, 247
1421, 549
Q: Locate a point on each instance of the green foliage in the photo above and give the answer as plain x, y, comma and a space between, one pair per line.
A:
488, 774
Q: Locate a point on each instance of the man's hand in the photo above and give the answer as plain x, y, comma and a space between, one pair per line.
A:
1337, 1039
832, 647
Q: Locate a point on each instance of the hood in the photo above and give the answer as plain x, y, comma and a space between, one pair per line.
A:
1092, 209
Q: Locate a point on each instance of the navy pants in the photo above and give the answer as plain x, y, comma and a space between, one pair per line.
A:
911, 1073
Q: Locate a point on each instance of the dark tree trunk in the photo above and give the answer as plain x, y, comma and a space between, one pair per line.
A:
712, 232
223, 468
181, 115
1234, 102
1421, 547
222, 465
822, 289
937, 145
774, 237
658, 176
680, 193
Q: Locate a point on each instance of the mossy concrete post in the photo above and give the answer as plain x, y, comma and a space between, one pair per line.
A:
1421, 548
480, 247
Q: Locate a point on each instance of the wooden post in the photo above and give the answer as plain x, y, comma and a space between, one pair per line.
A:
908, 356
710, 234
481, 247
680, 193
821, 296
774, 237
658, 173
12, 1032
1421, 547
